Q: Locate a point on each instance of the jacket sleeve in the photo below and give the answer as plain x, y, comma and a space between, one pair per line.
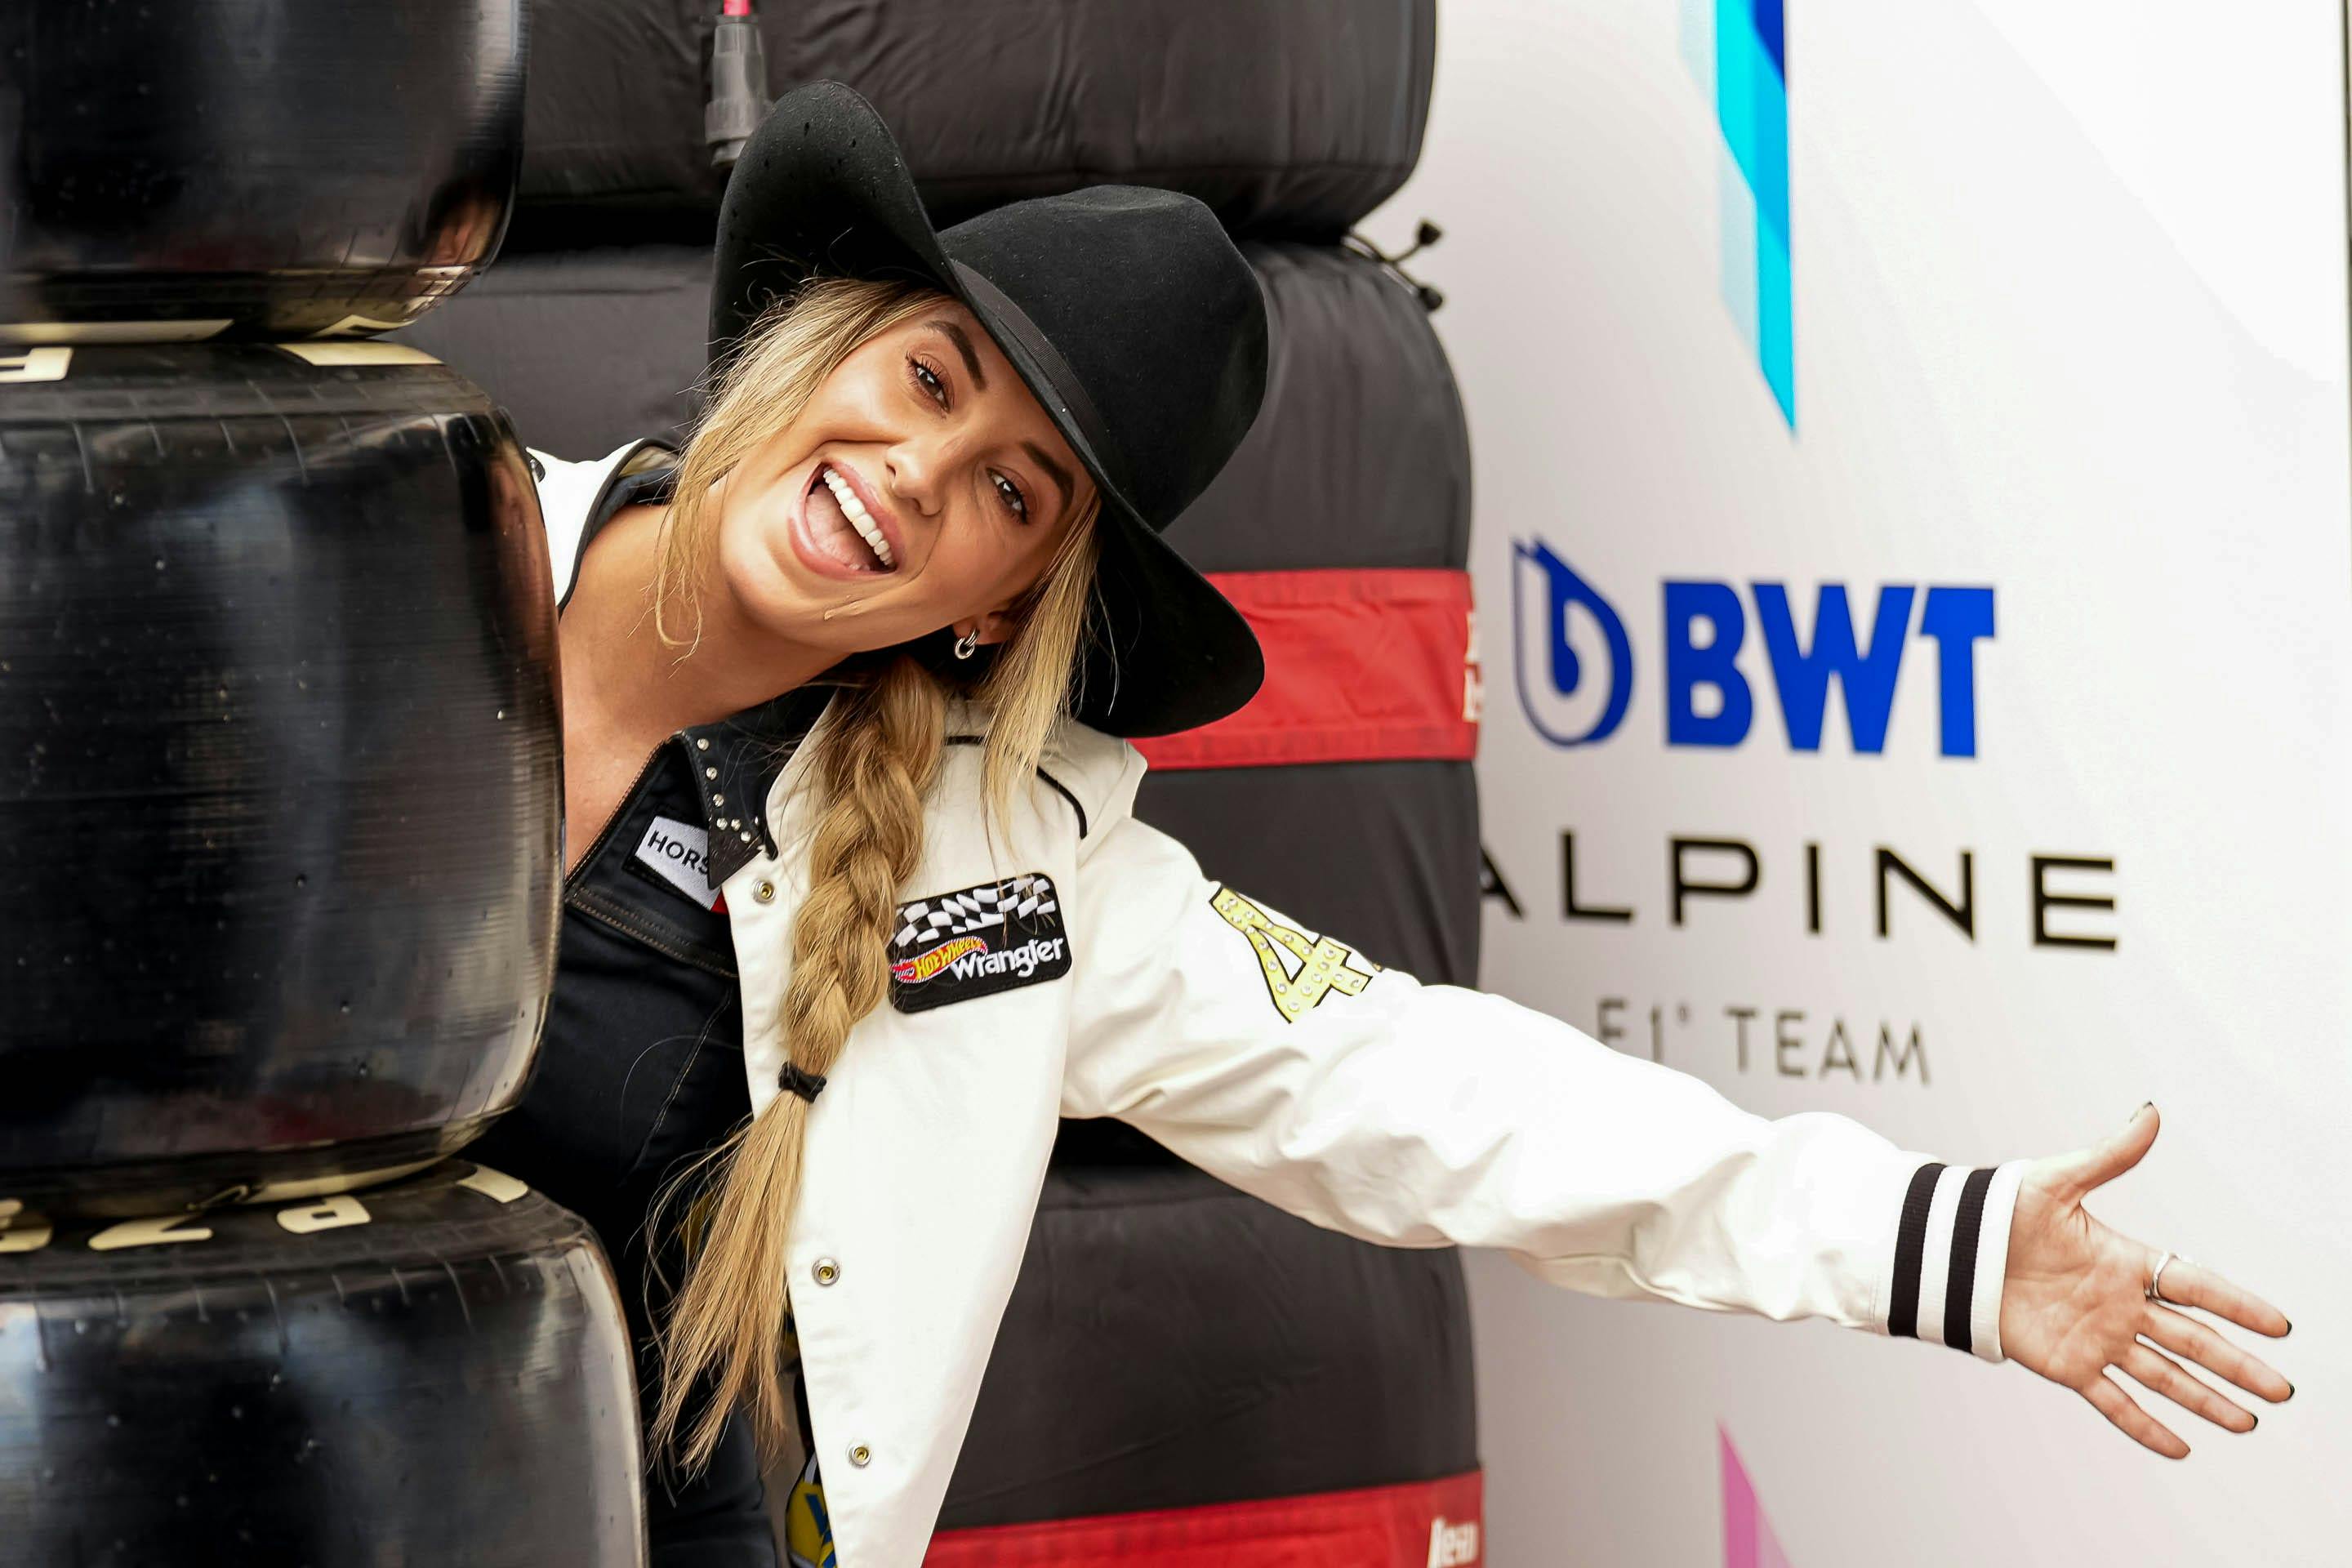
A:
1358, 1097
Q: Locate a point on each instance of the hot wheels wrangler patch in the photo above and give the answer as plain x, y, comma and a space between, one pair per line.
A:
1322, 965
998, 936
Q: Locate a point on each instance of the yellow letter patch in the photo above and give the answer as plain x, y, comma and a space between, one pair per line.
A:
1322, 962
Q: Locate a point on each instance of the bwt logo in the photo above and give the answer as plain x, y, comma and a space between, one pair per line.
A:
1576, 667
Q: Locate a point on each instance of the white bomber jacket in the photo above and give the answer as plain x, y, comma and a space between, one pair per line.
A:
1275, 1058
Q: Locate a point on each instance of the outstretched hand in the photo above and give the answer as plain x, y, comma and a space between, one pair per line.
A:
2074, 1303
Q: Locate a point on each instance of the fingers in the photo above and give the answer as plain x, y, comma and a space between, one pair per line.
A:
2186, 1337
2110, 1401
2111, 1157
2186, 1284
2161, 1375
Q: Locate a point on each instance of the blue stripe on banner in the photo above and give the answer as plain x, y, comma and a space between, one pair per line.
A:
1768, 30
1743, 66
1769, 102
1735, 233
1752, 105
1775, 336
1738, 59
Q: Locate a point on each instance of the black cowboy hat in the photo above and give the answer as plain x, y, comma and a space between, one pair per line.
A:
1126, 310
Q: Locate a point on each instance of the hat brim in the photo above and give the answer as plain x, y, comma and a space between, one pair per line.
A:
821, 189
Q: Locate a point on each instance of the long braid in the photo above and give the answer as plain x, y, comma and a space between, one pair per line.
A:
875, 768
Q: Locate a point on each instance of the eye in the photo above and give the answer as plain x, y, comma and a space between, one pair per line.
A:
1018, 503
925, 376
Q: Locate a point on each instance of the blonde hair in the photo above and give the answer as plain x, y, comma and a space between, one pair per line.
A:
876, 756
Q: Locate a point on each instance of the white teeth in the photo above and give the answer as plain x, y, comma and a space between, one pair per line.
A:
854, 511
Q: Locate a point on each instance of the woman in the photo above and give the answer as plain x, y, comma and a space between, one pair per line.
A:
857, 908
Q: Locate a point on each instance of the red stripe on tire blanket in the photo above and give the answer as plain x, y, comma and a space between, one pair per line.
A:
1420, 1524
1361, 665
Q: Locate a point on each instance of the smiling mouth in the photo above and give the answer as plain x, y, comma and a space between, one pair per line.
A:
839, 526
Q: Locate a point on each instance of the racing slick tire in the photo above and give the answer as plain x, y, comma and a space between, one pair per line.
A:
279, 769
245, 168
335, 1381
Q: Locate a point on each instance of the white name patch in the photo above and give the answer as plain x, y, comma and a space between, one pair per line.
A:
678, 852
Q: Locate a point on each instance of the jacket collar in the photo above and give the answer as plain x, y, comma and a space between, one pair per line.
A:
736, 760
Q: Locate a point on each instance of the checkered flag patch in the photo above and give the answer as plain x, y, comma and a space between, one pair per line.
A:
981, 911
957, 947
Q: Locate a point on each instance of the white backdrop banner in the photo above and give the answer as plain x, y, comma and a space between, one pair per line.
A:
1915, 568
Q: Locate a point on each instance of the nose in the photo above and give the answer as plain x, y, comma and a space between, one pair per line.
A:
921, 469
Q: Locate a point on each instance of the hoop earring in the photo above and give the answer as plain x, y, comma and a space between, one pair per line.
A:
968, 644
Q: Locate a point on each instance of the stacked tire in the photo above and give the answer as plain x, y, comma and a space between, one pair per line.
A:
1183, 1374
279, 816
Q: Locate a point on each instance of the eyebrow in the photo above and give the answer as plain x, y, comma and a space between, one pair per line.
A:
955, 334
1061, 475
964, 346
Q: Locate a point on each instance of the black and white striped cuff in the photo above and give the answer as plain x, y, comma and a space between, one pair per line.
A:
1951, 1255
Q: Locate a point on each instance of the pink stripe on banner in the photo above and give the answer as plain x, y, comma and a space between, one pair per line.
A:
1747, 1540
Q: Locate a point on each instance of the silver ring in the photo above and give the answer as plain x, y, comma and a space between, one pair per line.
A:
2156, 1277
